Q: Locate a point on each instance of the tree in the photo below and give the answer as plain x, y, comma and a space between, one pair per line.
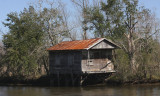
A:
106, 19
123, 22
139, 31
82, 5
22, 42
55, 27
31, 33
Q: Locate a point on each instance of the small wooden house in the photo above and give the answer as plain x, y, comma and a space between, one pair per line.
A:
74, 61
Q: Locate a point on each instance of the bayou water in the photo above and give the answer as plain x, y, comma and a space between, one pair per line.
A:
125, 90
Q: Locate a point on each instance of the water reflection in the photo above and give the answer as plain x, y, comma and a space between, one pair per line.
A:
134, 90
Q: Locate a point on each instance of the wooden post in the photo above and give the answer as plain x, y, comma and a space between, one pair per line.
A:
72, 79
52, 80
81, 80
66, 80
88, 60
53, 77
58, 78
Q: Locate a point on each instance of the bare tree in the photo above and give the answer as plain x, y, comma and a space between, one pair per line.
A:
81, 6
54, 19
141, 26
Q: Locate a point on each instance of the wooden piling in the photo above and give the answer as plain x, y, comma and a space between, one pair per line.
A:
58, 78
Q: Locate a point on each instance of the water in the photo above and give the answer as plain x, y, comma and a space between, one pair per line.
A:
134, 90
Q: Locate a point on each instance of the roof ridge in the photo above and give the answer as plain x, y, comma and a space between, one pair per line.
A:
82, 40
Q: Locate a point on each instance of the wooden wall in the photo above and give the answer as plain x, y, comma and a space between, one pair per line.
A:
65, 62
97, 61
104, 45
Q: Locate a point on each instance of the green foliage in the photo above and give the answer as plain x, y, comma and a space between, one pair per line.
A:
21, 42
116, 20
107, 21
96, 18
121, 65
30, 33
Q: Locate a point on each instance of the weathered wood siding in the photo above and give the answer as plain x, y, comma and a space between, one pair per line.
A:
65, 62
98, 61
103, 45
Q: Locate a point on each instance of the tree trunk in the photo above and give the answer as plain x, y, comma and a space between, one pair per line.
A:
133, 65
45, 65
131, 51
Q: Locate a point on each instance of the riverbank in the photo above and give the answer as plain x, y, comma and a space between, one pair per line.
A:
9, 81
45, 81
133, 82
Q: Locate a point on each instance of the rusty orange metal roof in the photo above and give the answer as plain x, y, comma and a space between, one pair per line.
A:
79, 44
75, 45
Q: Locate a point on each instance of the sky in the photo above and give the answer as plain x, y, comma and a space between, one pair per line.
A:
7, 6
153, 5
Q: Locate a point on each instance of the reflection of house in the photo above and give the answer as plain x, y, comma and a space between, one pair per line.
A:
78, 59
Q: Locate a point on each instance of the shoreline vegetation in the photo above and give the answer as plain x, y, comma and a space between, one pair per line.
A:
134, 28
